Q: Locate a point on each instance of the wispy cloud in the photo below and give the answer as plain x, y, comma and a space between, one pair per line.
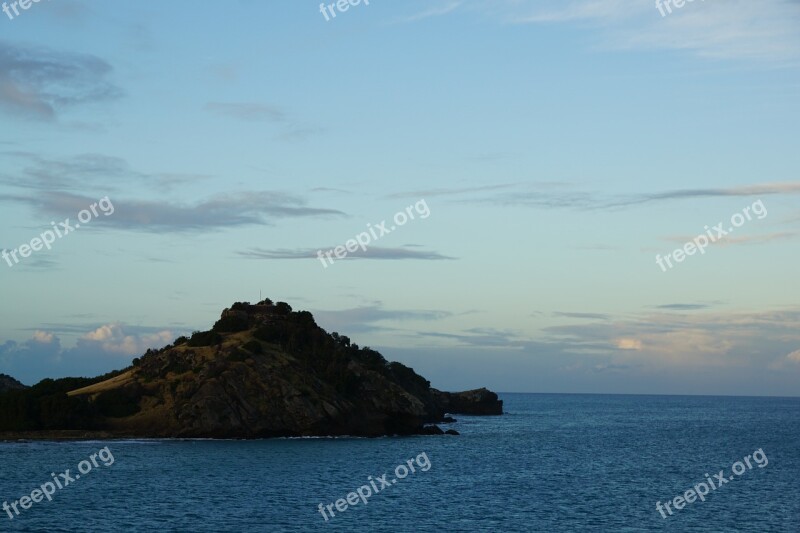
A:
741, 239
83, 171
682, 307
35, 263
443, 8
552, 195
296, 133
330, 189
730, 29
368, 318
587, 316
481, 337
249, 111
765, 189
38, 83
290, 130
372, 252
453, 191
578, 11
217, 212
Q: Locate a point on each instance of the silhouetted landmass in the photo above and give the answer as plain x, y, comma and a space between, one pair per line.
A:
8, 383
262, 371
46, 406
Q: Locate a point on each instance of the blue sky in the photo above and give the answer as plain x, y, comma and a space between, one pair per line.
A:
559, 147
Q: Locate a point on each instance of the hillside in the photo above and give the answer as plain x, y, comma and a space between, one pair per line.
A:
7, 383
261, 371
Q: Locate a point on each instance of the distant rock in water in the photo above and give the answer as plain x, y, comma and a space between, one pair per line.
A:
8, 383
262, 371
473, 402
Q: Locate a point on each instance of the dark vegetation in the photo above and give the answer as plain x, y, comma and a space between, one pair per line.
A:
46, 406
204, 338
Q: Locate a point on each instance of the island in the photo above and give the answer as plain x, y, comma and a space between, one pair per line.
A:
263, 370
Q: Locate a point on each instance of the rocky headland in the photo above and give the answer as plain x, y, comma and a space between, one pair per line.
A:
261, 371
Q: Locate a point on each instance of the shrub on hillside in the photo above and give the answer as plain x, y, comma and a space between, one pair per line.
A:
230, 324
240, 306
204, 338
282, 308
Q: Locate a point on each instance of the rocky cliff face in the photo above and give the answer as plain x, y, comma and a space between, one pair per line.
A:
265, 371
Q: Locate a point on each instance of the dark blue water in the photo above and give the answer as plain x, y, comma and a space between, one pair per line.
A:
552, 463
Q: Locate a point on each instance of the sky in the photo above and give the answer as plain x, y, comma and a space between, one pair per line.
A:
500, 186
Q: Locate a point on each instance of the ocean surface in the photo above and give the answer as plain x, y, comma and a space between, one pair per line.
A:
552, 463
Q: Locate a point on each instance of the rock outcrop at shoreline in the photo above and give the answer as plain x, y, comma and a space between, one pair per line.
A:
264, 371
474, 402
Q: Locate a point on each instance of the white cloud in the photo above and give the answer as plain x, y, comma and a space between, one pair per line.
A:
764, 30
114, 339
43, 337
794, 356
628, 344
105, 348
691, 346
681, 341
585, 10
100, 334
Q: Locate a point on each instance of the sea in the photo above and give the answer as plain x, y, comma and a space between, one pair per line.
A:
551, 463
